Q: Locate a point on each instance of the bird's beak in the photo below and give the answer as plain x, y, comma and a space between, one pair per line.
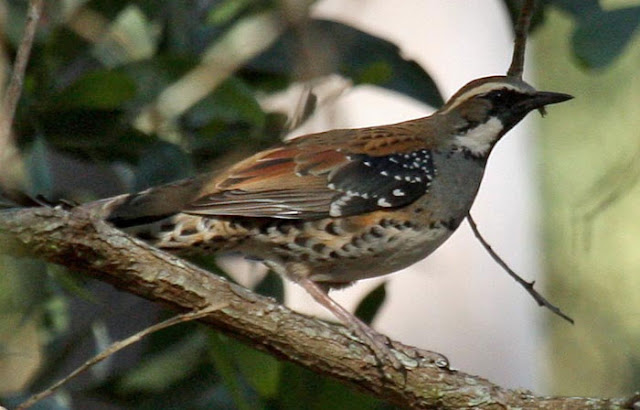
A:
542, 98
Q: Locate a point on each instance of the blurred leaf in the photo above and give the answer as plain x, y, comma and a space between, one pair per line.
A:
70, 282
161, 163
130, 37
601, 37
377, 73
39, 168
159, 371
261, 370
102, 340
154, 75
57, 401
578, 8
95, 134
352, 53
222, 353
300, 388
227, 10
271, 285
101, 90
370, 304
231, 101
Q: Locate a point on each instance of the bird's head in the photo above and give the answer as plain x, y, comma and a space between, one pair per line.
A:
481, 112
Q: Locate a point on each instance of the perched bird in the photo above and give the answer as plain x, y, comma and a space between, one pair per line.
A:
327, 209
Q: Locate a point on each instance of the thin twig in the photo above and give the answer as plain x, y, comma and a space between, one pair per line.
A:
520, 41
14, 90
529, 286
117, 346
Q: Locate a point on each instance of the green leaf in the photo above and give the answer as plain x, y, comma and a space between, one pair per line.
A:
357, 55
300, 388
370, 304
222, 353
578, 8
157, 372
90, 133
232, 101
376, 73
261, 370
160, 163
601, 37
102, 90
39, 168
227, 10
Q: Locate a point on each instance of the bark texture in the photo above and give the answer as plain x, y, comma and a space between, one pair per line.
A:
78, 240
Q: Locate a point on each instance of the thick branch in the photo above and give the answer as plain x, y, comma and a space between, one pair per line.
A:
78, 241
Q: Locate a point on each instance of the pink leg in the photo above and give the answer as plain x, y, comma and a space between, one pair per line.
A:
378, 343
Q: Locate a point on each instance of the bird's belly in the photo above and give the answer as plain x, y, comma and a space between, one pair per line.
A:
334, 254
381, 257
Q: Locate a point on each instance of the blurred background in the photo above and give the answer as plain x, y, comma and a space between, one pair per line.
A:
123, 95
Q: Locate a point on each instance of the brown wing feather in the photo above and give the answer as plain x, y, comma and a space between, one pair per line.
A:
283, 182
295, 180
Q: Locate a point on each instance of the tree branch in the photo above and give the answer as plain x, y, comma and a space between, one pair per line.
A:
81, 242
520, 40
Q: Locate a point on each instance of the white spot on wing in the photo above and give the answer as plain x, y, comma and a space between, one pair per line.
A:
383, 202
335, 210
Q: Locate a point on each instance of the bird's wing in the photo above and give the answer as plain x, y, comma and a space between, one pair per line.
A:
320, 175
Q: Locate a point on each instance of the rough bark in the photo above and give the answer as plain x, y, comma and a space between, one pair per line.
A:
86, 244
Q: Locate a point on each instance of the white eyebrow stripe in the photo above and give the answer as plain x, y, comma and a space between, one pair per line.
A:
484, 88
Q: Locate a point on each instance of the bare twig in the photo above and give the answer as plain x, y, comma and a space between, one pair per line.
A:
12, 96
529, 286
520, 41
119, 345
12, 173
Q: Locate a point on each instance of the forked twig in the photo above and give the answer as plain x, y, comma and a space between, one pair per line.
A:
520, 41
119, 345
529, 286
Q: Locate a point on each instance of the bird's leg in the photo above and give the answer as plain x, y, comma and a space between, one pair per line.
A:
378, 343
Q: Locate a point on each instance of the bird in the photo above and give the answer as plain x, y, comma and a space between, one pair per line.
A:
327, 209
